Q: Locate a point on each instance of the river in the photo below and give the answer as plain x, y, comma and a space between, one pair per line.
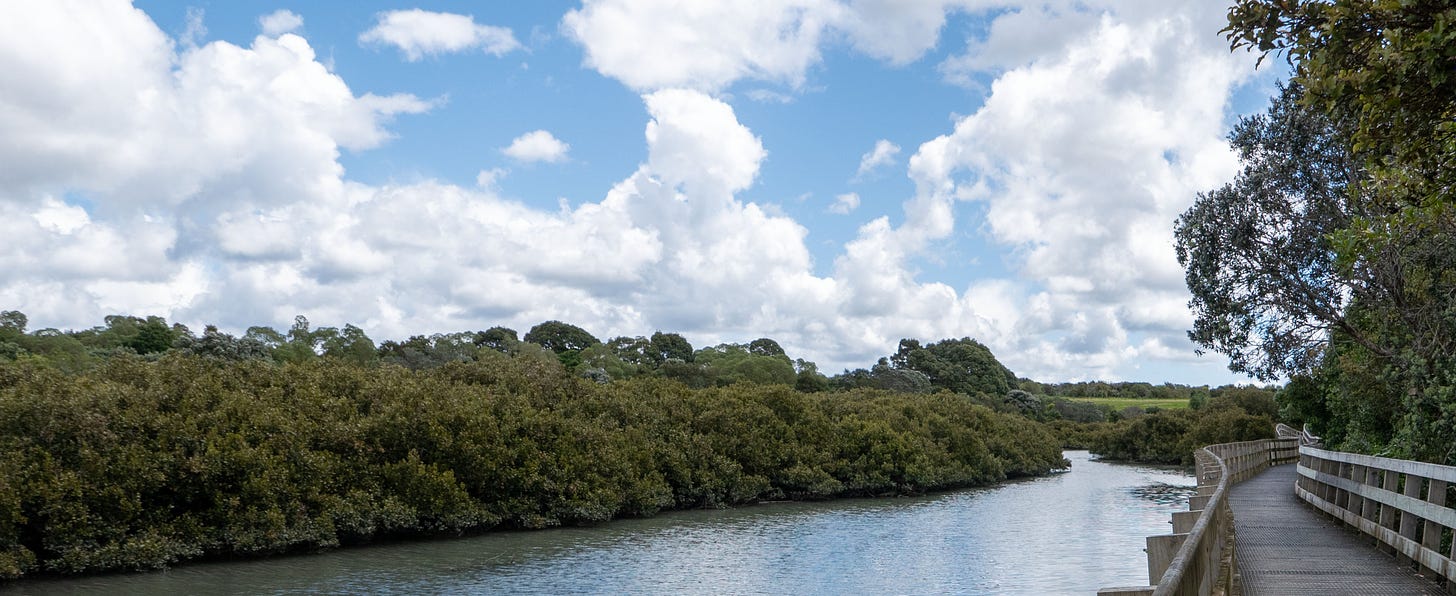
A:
1070, 533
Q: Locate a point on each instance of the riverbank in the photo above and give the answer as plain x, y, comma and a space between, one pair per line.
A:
144, 464
979, 541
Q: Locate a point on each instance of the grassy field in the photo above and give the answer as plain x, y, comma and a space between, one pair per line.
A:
1119, 403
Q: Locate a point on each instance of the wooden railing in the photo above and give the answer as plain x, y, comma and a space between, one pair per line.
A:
1403, 504
1197, 556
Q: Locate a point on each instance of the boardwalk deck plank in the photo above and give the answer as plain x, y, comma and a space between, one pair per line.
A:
1285, 548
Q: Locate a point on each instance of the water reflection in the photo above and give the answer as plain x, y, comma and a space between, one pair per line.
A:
1069, 533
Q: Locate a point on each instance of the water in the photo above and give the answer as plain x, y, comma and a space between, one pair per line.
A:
1071, 533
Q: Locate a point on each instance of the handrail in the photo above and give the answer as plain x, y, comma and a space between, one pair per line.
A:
1405, 505
1284, 431
1201, 552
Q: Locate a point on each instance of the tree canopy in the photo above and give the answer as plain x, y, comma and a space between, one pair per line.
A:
1333, 254
960, 365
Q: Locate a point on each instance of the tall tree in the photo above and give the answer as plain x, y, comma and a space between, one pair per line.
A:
960, 365
1257, 252
666, 346
565, 339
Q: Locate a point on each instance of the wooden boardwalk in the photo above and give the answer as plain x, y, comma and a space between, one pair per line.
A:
1285, 548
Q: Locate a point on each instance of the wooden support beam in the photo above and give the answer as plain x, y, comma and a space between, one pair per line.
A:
1161, 550
1183, 520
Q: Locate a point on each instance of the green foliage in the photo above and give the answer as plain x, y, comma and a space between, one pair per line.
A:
1171, 436
221, 346
1151, 438
140, 463
1384, 67
667, 346
1257, 251
500, 339
420, 352
883, 376
565, 339
735, 363
960, 365
1381, 74
1079, 411
560, 337
13, 322
807, 377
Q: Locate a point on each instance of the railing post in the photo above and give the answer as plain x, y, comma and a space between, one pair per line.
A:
1161, 550
1367, 510
1408, 524
1387, 513
1435, 495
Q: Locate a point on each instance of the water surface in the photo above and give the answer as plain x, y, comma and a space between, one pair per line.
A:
1070, 533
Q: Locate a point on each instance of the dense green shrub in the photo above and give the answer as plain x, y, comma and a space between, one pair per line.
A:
1171, 436
139, 463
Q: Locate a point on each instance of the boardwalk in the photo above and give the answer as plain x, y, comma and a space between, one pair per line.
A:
1284, 547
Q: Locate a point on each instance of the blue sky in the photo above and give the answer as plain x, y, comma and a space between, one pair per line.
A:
698, 167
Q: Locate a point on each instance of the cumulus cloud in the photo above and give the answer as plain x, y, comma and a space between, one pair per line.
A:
882, 155
204, 184
1082, 158
655, 44
419, 33
537, 145
845, 203
279, 22
175, 158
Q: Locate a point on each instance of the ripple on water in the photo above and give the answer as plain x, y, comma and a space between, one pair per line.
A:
1072, 532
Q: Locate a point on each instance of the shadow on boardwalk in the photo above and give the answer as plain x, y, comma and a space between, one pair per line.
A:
1285, 547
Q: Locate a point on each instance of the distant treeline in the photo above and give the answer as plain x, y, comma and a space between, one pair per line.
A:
957, 365
140, 444
1132, 390
1168, 436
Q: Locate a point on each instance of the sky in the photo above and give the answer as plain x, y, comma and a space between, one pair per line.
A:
833, 174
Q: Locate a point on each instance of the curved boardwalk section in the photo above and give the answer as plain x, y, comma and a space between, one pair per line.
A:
1284, 547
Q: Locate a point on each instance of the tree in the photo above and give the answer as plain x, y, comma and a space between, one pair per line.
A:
13, 320
960, 365
736, 363
1257, 252
425, 352
152, 336
667, 346
500, 339
602, 358
560, 337
565, 339
1026, 403
808, 379
221, 346
764, 346
350, 344
1381, 73
634, 350
1385, 68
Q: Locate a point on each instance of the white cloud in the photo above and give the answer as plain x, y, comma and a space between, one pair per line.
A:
279, 22
882, 155
490, 179
195, 30
1082, 157
419, 33
537, 145
845, 203
214, 193
655, 44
